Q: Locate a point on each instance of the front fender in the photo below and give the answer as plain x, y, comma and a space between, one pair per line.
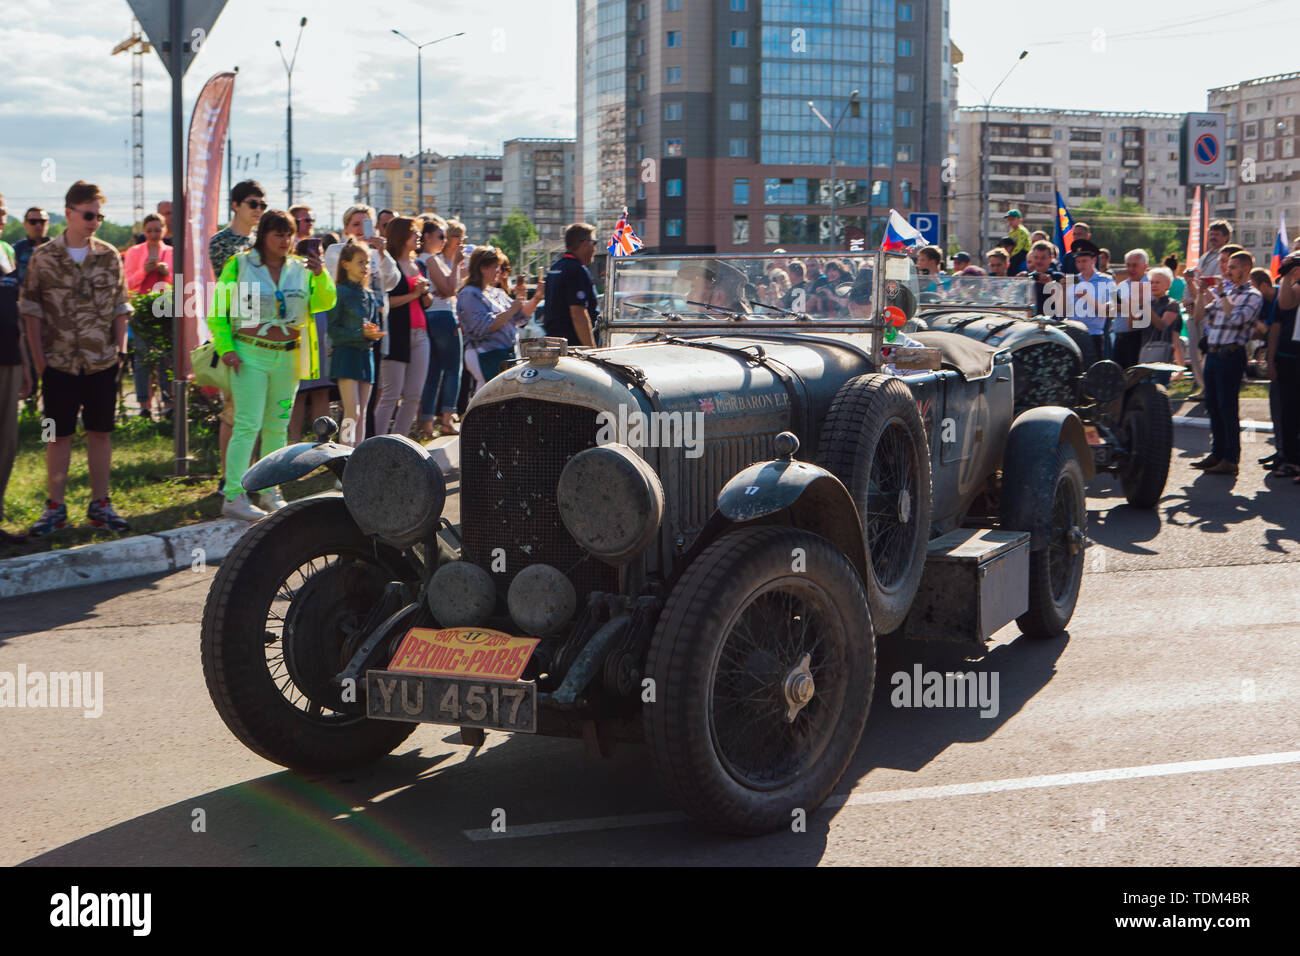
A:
812, 498
1137, 373
295, 461
1028, 467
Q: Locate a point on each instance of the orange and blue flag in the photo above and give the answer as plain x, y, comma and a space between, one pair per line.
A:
1063, 234
1280, 248
624, 242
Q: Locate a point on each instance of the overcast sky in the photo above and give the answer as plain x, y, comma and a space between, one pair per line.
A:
67, 101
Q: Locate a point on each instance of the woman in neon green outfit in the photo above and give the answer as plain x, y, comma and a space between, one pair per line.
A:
264, 296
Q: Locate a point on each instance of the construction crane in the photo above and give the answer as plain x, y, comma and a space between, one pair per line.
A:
137, 46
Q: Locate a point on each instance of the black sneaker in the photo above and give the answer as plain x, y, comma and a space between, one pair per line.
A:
102, 515
1206, 463
54, 518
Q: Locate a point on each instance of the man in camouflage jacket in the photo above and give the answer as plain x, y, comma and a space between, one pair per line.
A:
74, 301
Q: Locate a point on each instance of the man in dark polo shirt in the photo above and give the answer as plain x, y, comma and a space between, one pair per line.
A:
571, 309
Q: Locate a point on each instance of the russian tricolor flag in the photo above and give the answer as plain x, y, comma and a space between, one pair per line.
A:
899, 233
1280, 248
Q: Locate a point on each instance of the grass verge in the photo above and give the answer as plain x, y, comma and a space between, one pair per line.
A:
142, 487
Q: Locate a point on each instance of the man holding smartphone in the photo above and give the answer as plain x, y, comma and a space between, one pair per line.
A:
571, 309
1227, 310
1216, 237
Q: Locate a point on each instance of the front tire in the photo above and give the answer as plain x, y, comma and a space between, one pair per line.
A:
1056, 570
1149, 430
744, 640
279, 622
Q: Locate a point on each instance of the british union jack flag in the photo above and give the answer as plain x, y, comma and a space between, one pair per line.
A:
624, 241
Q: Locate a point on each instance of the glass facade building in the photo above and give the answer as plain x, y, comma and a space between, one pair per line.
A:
603, 105
696, 116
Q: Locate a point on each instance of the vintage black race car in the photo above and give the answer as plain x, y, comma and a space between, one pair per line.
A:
1125, 412
689, 538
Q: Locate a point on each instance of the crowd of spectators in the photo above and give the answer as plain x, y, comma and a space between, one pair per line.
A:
396, 318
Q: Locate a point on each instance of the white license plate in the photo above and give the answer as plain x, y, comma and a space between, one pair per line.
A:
458, 701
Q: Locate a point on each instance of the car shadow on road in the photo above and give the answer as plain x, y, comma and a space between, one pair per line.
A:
903, 736
419, 807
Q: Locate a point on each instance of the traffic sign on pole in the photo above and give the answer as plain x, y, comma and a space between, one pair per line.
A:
1204, 160
197, 18
927, 224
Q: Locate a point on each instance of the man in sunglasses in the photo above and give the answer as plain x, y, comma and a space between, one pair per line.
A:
74, 299
36, 223
303, 222
247, 203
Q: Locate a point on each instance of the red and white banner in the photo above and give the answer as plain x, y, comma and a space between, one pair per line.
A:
1194, 237
204, 154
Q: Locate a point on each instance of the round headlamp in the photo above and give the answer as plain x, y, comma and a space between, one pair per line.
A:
611, 501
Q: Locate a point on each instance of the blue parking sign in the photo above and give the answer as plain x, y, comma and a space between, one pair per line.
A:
927, 224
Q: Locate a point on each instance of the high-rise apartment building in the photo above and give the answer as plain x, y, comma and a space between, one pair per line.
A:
386, 181
1263, 170
470, 189
1083, 153
537, 178
695, 116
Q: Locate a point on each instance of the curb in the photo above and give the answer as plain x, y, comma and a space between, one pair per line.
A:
157, 553
1248, 424
131, 557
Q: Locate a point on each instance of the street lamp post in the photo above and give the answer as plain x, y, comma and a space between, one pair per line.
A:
850, 105
419, 112
288, 110
984, 164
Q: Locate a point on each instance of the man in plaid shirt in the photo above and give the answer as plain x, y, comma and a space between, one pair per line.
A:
1226, 309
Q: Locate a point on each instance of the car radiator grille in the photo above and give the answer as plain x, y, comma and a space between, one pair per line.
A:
511, 456
703, 477
1045, 375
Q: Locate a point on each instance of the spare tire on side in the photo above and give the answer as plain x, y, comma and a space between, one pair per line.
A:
874, 442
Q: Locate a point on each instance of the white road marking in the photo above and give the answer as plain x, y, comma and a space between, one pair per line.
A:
872, 797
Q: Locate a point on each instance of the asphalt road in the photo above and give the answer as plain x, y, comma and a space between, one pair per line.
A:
1161, 731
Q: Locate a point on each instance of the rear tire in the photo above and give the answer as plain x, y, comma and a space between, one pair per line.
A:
253, 678
873, 441
1149, 428
730, 640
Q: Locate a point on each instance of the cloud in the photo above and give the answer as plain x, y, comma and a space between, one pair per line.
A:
354, 89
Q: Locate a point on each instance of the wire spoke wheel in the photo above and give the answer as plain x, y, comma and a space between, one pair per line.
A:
283, 617
1063, 549
751, 695
891, 498
763, 678
874, 441
312, 629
